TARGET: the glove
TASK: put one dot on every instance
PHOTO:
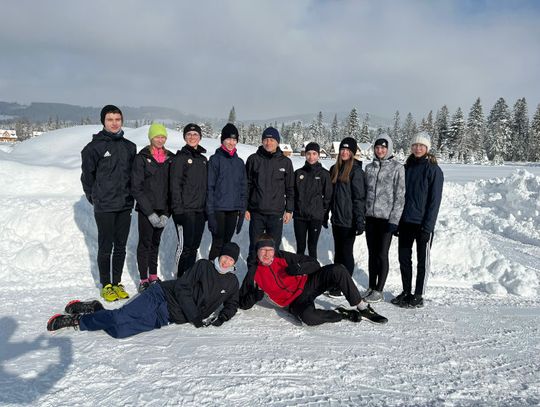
(212, 223)
(179, 218)
(241, 216)
(154, 220)
(424, 237)
(392, 228)
(359, 230)
(218, 321)
(325, 221)
(198, 322)
(163, 220)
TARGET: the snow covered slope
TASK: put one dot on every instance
(475, 343)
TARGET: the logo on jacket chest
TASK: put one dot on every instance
(107, 154)
(223, 292)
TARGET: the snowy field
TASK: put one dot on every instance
(476, 342)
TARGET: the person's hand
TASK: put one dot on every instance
(424, 237)
(359, 230)
(248, 216)
(218, 321)
(198, 322)
(212, 223)
(287, 217)
(163, 220)
(392, 228)
(154, 220)
(240, 222)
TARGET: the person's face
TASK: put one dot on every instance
(345, 154)
(226, 262)
(158, 141)
(192, 138)
(312, 157)
(113, 122)
(230, 143)
(270, 144)
(419, 150)
(266, 255)
(380, 152)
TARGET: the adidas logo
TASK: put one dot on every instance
(107, 154)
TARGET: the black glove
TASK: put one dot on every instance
(359, 230)
(325, 221)
(241, 216)
(198, 322)
(392, 228)
(179, 218)
(218, 321)
(294, 269)
(212, 223)
(424, 237)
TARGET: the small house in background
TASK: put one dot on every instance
(8, 136)
(287, 149)
(36, 133)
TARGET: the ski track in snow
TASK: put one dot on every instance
(475, 343)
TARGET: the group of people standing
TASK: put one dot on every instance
(386, 200)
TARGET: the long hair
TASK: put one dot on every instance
(347, 168)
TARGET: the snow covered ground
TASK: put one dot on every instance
(476, 342)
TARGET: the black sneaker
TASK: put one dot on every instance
(83, 307)
(370, 314)
(334, 293)
(401, 299)
(416, 301)
(352, 315)
(60, 321)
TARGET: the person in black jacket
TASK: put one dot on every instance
(193, 298)
(347, 205)
(226, 199)
(150, 187)
(106, 181)
(312, 195)
(270, 180)
(188, 183)
(424, 184)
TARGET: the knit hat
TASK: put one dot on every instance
(192, 127)
(230, 249)
(385, 141)
(271, 132)
(313, 147)
(109, 109)
(265, 243)
(155, 130)
(381, 142)
(350, 143)
(229, 131)
(422, 138)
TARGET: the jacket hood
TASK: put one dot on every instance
(390, 144)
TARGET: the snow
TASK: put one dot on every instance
(475, 343)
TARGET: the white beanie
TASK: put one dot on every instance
(422, 138)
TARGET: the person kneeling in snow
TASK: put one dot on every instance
(293, 281)
(192, 298)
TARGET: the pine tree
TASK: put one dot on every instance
(475, 133)
(520, 131)
(352, 126)
(335, 136)
(499, 132)
(456, 144)
(409, 130)
(534, 137)
(396, 133)
(364, 131)
(232, 116)
(440, 130)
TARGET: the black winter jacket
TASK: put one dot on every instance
(199, 292)
(150, 182)
(106, 172)
(312, 192)
(188, 180)
(270, 179)
(227, 184)
(298, 264)
(349, 200)
(423, 185)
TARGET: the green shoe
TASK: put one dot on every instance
(120, 292)
(108, 293)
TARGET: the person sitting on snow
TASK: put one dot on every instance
(192, 298)
(293, 281)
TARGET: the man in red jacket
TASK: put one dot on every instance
(293, 281)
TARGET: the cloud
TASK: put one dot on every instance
(271, 58)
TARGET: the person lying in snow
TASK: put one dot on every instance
(293, 281)
(192, 298)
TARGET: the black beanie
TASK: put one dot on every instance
(192, 127)
(271, 132)
(232, 250)
(350, 143)
(381, 142)
(313, 147)
(229, 131)
(109, 109)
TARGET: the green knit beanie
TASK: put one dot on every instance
(156, 129)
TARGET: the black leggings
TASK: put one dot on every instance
(378, 242)
(311, 229)
(343, 246)
(148, 247)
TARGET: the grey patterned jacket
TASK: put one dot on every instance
(385, 186)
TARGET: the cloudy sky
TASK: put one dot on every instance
(271, 58)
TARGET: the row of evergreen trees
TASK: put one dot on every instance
(505, 135)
